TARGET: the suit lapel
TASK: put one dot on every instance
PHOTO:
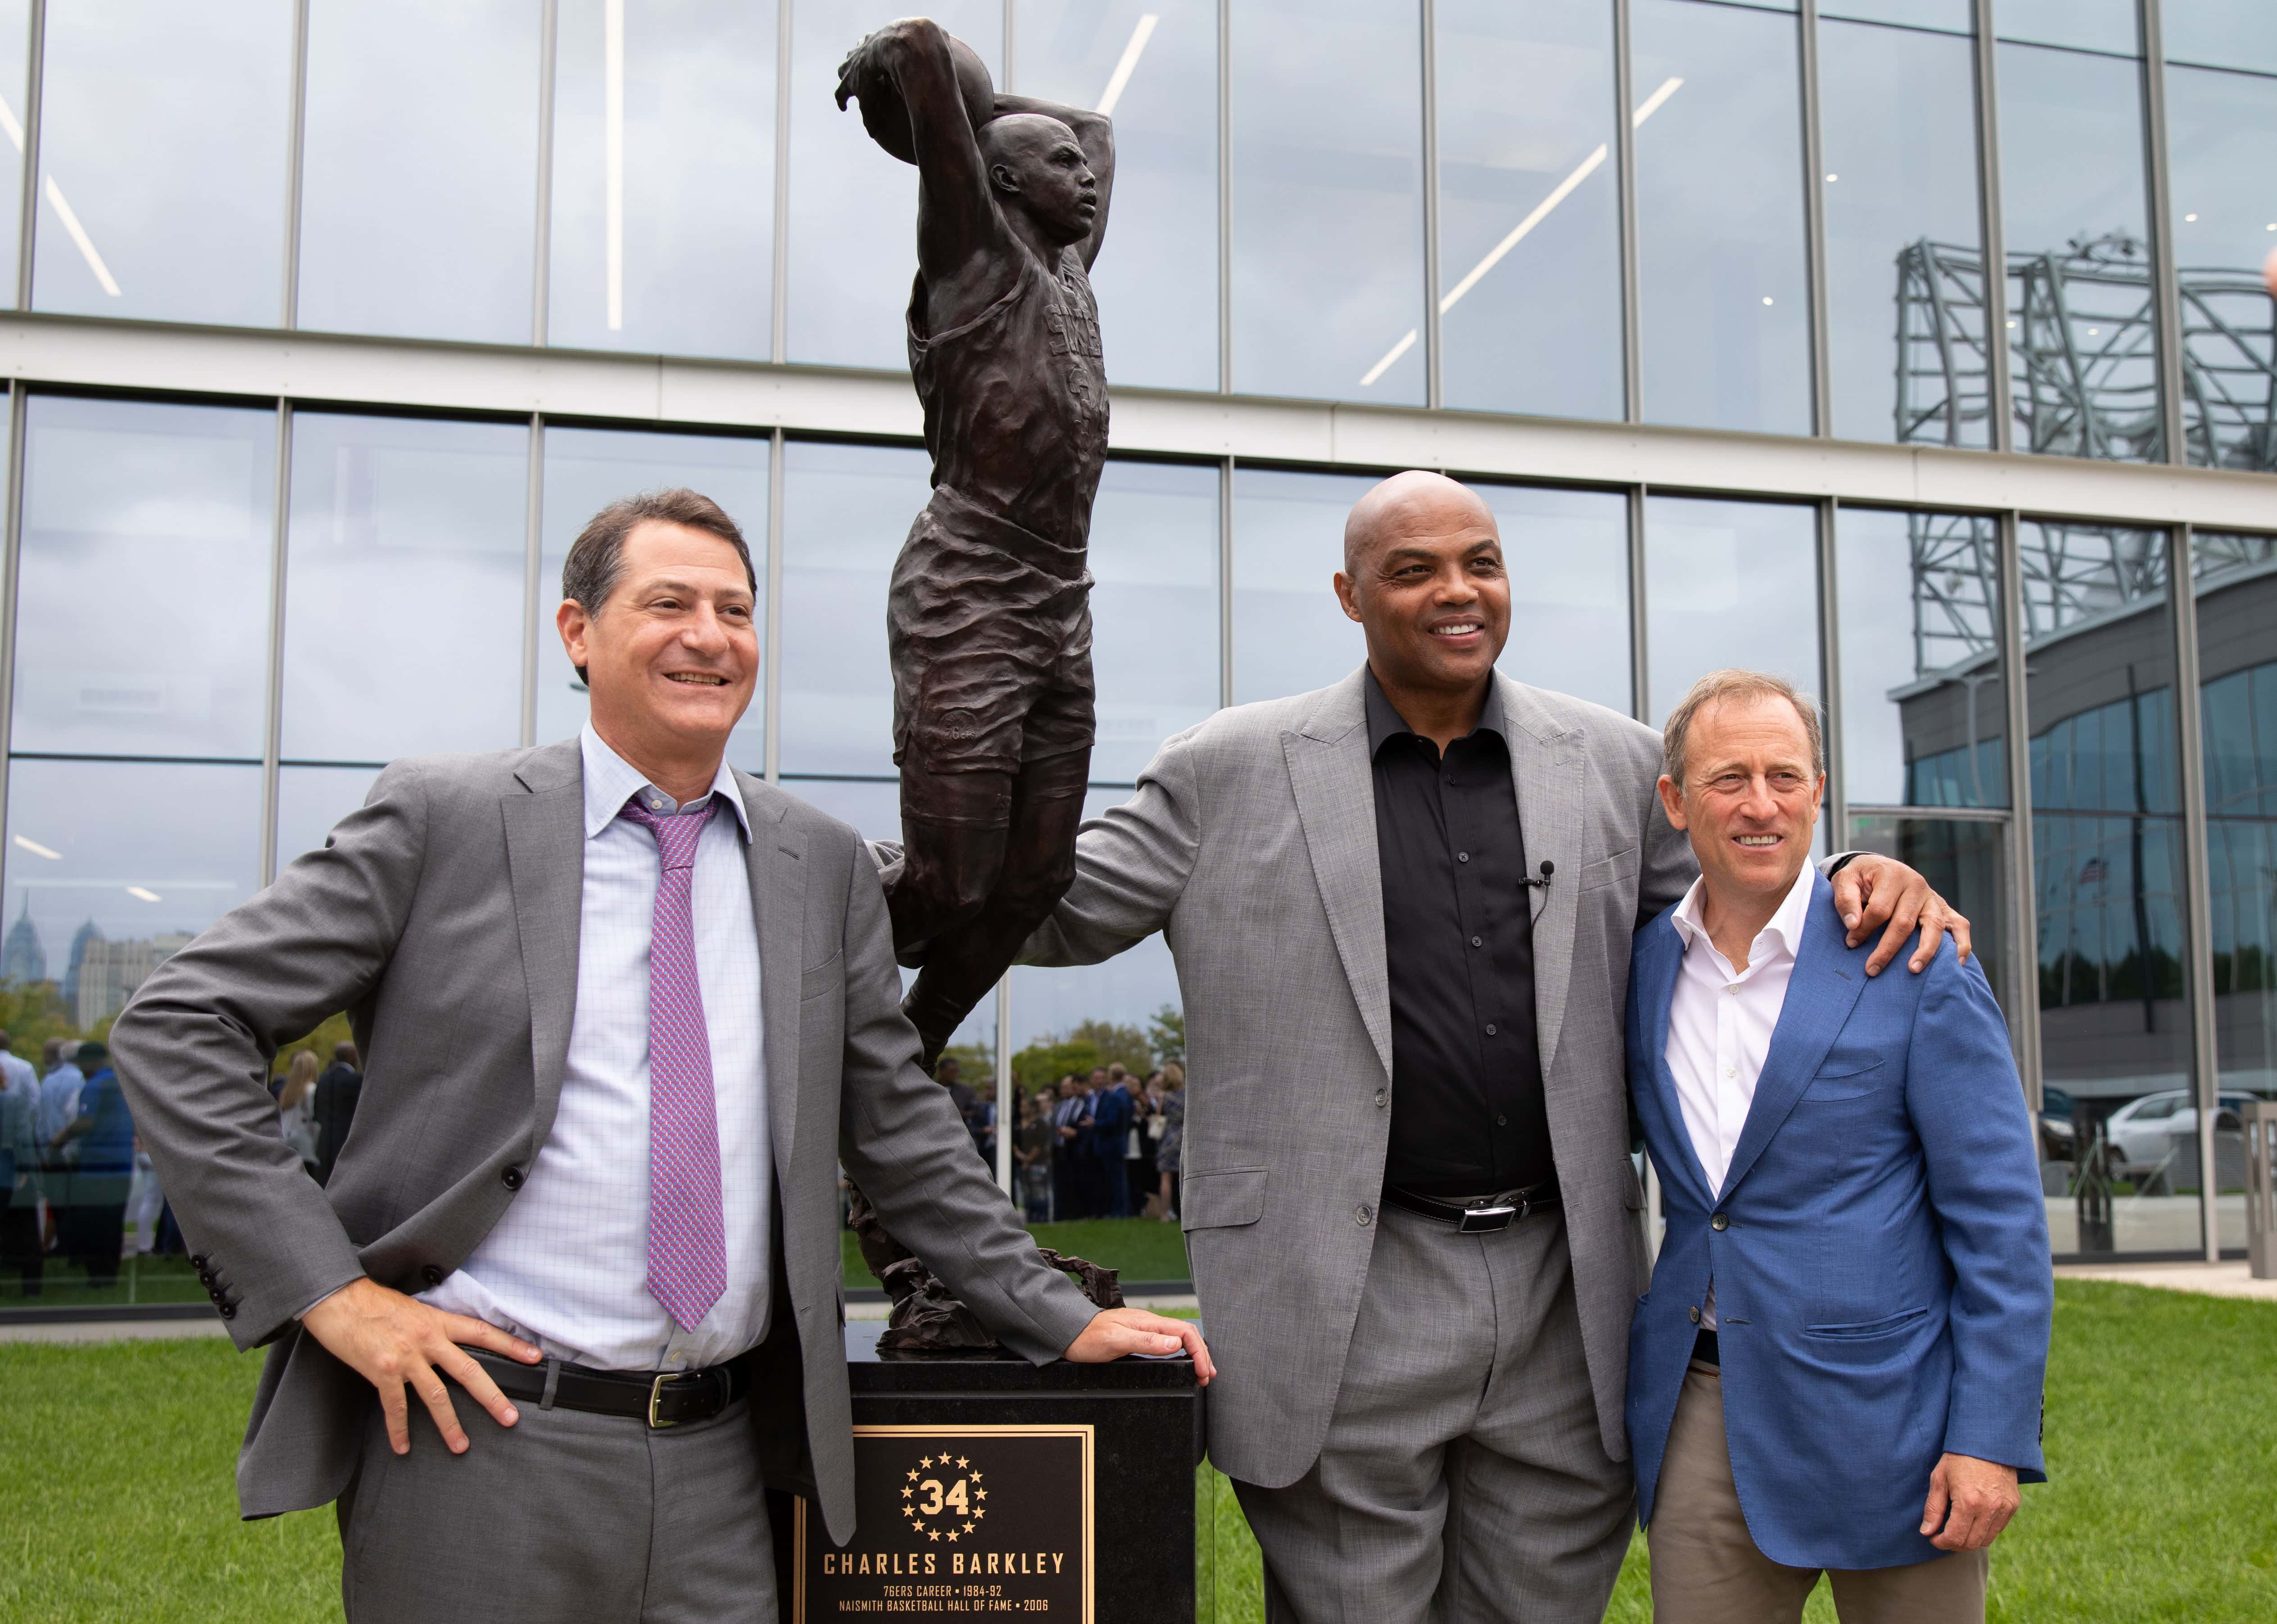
(545, 862)
(1657, 968)
(1820, 994)
(1335, 786)
(1549, 771)
(777, 858)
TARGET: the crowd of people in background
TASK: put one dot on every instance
(79, 1188)
(1104, 1145)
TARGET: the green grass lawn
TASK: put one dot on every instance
(1142, 1248)
(117, 1503)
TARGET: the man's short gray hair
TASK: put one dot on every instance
(1733, 683)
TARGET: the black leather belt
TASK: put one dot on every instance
(1484, 1217)
(661, 1397)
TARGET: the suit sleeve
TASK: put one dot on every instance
(903, 1142)
(1968, 1107)
(193, 1045)
(1131, 867)
(1667, 868)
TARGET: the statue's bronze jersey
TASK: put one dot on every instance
(1016, 400)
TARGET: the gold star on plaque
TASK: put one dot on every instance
(978, 1494)
(908, 1511)
(952, 1536)
(967, 1528)
(976, 1477)
(924, 1460)
(979, 1511)
(913, 1478)
(936, 1535)
(961, 1462)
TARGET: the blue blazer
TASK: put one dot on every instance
(1110, 1120)
(1883, 1288)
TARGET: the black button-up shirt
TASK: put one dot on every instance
(1467, 1114)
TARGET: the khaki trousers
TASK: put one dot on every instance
(1706, 1568)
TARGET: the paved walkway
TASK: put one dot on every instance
(2212, 1279)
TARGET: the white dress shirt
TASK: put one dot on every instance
(1719, 1028)
(566, 1268)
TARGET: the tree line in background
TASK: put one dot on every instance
(31, 1012)
(1086, 1045)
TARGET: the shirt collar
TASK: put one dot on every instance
(1786, 924)
(1384, 721)
(611, 781)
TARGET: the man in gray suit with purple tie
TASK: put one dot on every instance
(625, 1011)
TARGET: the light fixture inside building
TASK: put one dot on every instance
(1767, 298)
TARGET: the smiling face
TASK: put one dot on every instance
(1749, 802)
(1423, 575)
(674, 652)
(1036, 164)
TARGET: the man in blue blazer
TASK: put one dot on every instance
(1838, 1365)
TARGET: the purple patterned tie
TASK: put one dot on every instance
(687, 1250)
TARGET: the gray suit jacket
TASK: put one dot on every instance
(1251, 843)
(444, 917)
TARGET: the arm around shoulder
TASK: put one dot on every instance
(1132, 865)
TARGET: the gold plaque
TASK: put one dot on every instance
(955, 1523)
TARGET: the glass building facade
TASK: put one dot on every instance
(1916, 349)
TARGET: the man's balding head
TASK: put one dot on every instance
(1036, 165)
(1423, 575)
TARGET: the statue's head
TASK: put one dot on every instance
(1036, 165)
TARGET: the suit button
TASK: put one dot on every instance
(1695, 1313)
(431, 1275)
(511, 1178)
(1360, 1215)
(216, 1293)
(198, 1262)
(1719, 1222)
(229, 1310)
(1380, 1096)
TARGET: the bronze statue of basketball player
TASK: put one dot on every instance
(988, 616)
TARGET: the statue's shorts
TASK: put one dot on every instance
(988, 626)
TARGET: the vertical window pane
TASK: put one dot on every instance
(1925, 704)
(2082, 348)
(853, 208)
(2236, 578)
(1157, 274)
(1568, 556)
(419, 179)
(1290, 634)
(2221, 146)
(847, 510)
(118, 864)
(1153, 609)
(1529, 220)
(1721, 262)
(1327, 199)
(664, 178)
(403, 600)
(143, 612)
(162, 133)
(1967, 861)
(2108, 861)
(2221, 34)
(311, 800)
(15, 74)
(1728, 584)
(588, 468)
(1898, 134)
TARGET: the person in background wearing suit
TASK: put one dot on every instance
(1111, 1116)
(1401, 909)
(1840, 1364)
(97, 1146)
(337, 1093)
(21, 1185)
(1067, 1151)
(626, 1009)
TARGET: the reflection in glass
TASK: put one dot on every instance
(1924, 706)
(115, 865)
(1728, 584)
(2237, 580)
(1153, 609)
(1157, 276)
(1290, 634)
(846, 511)
(1720, 257)
(1327, 199)
(1529, 227)
(1898, 122)
(664, 171)
(588, 468)
(853, 208)
(143, 591)
(2084, 25)
(2107, 862)
(872, 805)
(311, 800)
(2082, 346)
(1967, 861)
(2221, 33)
(163, 132)
(1953, 16)
(403, 597)
(2222, 132)
(1568, 556)
(419, 174)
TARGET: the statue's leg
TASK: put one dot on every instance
(955, 827)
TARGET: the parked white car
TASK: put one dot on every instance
(2142, 1131)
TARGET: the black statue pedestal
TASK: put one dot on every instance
(986, 1485)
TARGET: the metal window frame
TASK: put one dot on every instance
(2197, 891)
(771, 714)
(1814, 226)
(12, 548)
(295, 141)
(533, 544)
(541, 274)
(2023, 900)
(2158, 202)
(1632, 291)
(1224, 196)
(272, 734)
(1999, 402)
(1830, 680)
(27, 219)
(1434, 361)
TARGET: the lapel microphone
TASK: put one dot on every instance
(1548, 869)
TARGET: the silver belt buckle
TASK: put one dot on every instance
(1486, 1220)
(655, 1393)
